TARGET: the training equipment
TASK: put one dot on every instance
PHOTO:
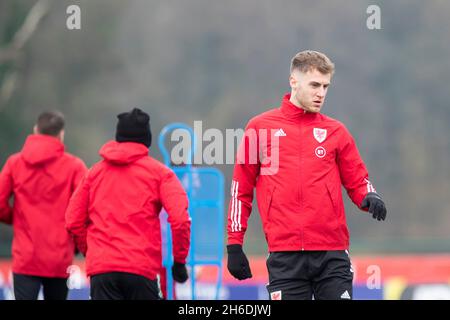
(205, 190)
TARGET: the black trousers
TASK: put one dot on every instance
(124, 286)
(302, 275)
(27, 287)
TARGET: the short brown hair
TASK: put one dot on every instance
(309, 60)
(50, 123)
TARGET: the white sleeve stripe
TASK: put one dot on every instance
(234, 208)
(239, 216)
(232, 205)
(370, 187)
(236, 202)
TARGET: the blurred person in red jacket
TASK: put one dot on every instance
(297, 159)
(114, 216)
(39, 182)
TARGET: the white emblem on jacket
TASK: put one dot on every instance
(280, 133)
(320, 134)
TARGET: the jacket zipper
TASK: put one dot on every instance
(301, 232)
(300, 180)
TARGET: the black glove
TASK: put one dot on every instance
(179, 272)
(238, 263)
(376, 206)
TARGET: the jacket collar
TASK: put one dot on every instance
(291, 111)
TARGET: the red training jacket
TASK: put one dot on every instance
(304, 158)
(114, 213)
(41, 179)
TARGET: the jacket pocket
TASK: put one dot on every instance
(333, 198)
(269, 202)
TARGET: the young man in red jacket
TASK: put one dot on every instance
(114, 216)
(40, 179)
(298, 158)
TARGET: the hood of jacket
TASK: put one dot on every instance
(39, 148)
(123, 153)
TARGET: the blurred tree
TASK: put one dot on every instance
(225, 62)
(11, 53)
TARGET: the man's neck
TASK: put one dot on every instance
(295, 101)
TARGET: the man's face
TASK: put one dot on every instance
(309, 89)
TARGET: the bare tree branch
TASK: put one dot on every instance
(37, 12)
(9, 84)
(31, 23)
(13, 52)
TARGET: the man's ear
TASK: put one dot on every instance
(61, 135)
(292, 81)
(35, 129)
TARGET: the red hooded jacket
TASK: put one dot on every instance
(41, 178)
(304, 158)
(114, 213)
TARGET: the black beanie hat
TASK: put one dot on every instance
(134, 126)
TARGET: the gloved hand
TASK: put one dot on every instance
(238, 264)
(375, 204)
(179, 272)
